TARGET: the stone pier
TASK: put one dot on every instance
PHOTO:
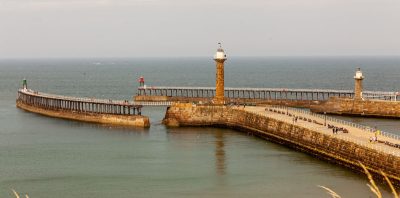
(355, 107)
(309, 134)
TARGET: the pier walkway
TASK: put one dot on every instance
(358, 134)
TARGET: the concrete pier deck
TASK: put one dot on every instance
(357, 134)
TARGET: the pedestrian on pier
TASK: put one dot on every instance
(335, 130)
(377, 132)
(371, 139)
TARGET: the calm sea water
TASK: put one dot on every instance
(48, 157)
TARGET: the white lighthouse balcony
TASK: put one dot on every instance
(220, 55)
(359, 74)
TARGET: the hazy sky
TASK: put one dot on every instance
(137, 28)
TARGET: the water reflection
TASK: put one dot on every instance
(220, 165)
(216, 140)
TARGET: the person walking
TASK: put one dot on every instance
(377, 132)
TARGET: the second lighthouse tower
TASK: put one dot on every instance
(219, 58)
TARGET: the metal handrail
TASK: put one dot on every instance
(78, 99)
(386, 93)
(344, 122)
(380, 149)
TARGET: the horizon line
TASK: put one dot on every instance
(211, 57)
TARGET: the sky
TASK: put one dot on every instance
(184, 28)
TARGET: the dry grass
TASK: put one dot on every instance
(372, 185)
(17, 194)
(394, 192)
(331, 192)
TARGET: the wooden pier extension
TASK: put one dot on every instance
(82, 109)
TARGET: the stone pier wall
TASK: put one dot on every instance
(151, 98)
(126, 120)
(348, 106)
(290, 103)
(320, 145)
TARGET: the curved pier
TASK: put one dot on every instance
(82, 109)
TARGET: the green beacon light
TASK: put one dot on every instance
(24, 84)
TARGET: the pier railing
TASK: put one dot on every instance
(261, 93)
(77, 104)
(160, 103)
(367, 144)
(343, 122)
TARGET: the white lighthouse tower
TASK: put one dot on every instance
(358, 86)
(219, 58)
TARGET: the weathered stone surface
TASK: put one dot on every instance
(219, 86)
(150, 98)
(377, 108)
(320, 145)
(358, 88)
(127, 120)
(290, 103)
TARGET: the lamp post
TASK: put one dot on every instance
(325, 118)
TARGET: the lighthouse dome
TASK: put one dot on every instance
(359, 74)
(220, 54)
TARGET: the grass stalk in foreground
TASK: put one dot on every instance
(17, 195)
(331, 192)
(372, 185)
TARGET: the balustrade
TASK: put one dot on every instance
(81, 105)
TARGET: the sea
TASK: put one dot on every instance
(49, 157)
